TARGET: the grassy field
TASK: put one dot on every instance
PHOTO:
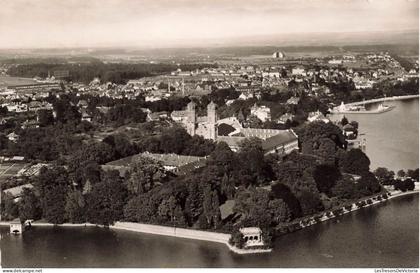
(7, 80)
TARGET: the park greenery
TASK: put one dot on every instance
(268, 191)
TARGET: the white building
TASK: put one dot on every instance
(263, 113)
(16, 227)
(252, 236)
(317, 116)
(298, 71)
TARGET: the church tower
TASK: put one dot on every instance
(212, 120)
(192, 118)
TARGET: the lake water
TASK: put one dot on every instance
(392, 137)
(385, 235)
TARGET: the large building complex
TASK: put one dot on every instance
(273, 141)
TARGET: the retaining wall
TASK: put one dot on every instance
(174, 232)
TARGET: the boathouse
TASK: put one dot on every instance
(16, 227)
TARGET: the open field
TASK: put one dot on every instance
(7, 80)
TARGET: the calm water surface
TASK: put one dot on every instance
(382, 236)
(392, 137)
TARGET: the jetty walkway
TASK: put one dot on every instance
(381, 100)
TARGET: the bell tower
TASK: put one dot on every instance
(212, 120)
(192, 118)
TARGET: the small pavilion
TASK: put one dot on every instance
(252, 236)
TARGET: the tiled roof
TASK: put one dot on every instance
(231, 141)
(282, 138)
(17, 191)
(166, 159)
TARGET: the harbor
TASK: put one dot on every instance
(360, 106)
(360, 109)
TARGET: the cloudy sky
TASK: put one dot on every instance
(69, 23)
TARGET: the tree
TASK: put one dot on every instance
(401, 173)
(344, 189)
(121, 145)
(143, 175)
(194, 200)
(227, 187)
(281, 191)
(404, 185)
(414, 174)
(75, 207)
(105, 203)
(310, 135)
(211, 211)
(326, 149)
(9, 209)
(251, 159)
(45, 117)
(174, 140)
(279, 211)
(258, 209)
(309, 202)
(368, 184)
(52, 185)
(384, 176)
(354, 124)
(326, 177)
(3, 110)
(409, 183)
(170, 211)
(344, 121)
(29, 206)
(355, 162)
(237, 239)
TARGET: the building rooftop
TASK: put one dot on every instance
(283, 137)
(17, 191)
(172, 160)
(260, 133)
(250, 230)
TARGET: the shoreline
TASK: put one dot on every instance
(366, 112)
(405, 97)
(329, 215)
(216, 237)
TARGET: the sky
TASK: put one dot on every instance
(162, 23)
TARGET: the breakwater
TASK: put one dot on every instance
(382, 99)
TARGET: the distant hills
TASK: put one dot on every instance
(400, 42)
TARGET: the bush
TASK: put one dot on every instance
(385, 196)
(369, 202)
(237, 239)
(317, 218)
(294, 227)
(267, 237)
(348, 207)
(361, 204)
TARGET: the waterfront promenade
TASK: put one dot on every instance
(216, 237)
(382, 99)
